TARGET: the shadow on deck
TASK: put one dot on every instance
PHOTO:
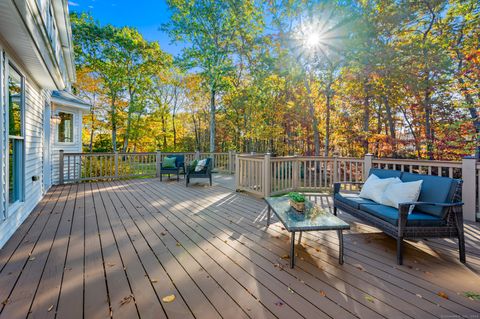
(117, 249)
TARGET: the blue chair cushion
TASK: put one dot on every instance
(390, 214)
(385, 173)
(435, 189)
(353, 200)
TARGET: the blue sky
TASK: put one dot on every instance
(145, 15)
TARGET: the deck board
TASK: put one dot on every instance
(115, 249)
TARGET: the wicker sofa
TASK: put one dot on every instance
(438, 212)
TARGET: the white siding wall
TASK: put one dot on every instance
(35, 99)
(75, 147)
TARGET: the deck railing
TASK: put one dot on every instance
(266, 175)
(78, 167)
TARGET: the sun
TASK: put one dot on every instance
(313, 40)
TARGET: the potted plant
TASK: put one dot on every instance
(297, 201)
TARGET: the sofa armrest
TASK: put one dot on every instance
(432, 204)
(338, 185)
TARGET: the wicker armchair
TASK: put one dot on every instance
(177, 170)
(206, 172)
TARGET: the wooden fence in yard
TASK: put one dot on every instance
(265, 175)
(79, 167)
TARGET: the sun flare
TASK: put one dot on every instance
(312, 40)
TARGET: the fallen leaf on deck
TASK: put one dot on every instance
(290, 290)
(322, 293)
(154, 280)
(178, 244)
(317, 250)
(471, 295)
(163, 234)
(31, 258)
(110, 264)
(126, 300)
(369, 298)
(419, 296)
(359, 267)
(279, 303)
(168, 298)
(285, 257)
(50, 308)
(5, 302)
(442, 294)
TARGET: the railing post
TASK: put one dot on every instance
(61, 167)
(266, 175)
(116, 164)
(367, 165)
(237, 172)
(231, 159)
(212, 156)
(295, 172)
(197, 155)
(335, 169)
(469, 189)
(158, 160)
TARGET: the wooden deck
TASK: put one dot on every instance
(115, 249)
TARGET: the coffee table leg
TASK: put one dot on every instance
(268, 215)
(292, 250)
(340, 250)
(300, 238)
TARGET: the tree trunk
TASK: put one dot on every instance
(428, 124)
(114, 125)
(412, 131)
(174, 133)
(164, 131)
(197, 134)
(212, 120)
(311, 108)
(474, 115)
(366, 120)
(127, 132)
(327, 124)
(391, 123)
(90, 146)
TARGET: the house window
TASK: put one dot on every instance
(65, 128)
(15, 135)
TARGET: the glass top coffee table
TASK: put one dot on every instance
(314, 218)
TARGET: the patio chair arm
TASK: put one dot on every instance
(338, 185)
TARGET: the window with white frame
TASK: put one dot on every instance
(65, 127)
(16, 98)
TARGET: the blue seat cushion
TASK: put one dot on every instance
(435, 189)
(353, 200)
(390, 214)
(385, 173)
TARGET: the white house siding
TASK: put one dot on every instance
(75, 147)
(35, 99)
